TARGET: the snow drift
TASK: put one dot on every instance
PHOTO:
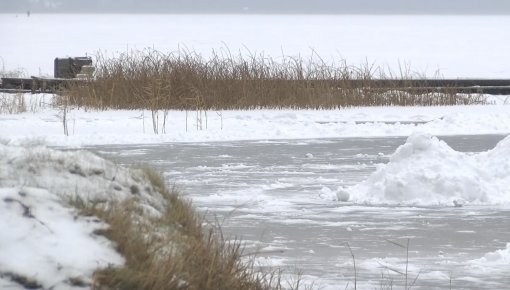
(498, 259)
(44, 242)
(427, 172)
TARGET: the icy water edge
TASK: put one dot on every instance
(275, 196)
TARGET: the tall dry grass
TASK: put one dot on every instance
(186, 80)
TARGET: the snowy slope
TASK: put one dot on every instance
(44, 242)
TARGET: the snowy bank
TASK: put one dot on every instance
(427, 172)
(45, 243)
(89, 127)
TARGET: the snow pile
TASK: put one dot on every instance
(427, 172)
(500, 257)
(497, 261)
(44, 243)
(497, 258)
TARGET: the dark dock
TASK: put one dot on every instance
(36, 85)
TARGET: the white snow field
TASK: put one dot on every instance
(453, 46)
(45, 243)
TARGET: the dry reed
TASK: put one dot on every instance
(185, 80)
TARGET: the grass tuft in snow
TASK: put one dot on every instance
(170, 251)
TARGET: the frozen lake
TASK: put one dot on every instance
(276, 196)
(449, 46)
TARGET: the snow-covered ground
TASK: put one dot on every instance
(454, 46)
(42, 123)
(44, 242)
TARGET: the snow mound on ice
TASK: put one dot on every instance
(45, 241)
(496, 258)
(427, 172)
(492, 262)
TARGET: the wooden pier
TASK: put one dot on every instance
(36, 84)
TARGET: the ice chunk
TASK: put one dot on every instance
(327, 194)
(342, 194)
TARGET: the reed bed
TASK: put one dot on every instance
(185, 80)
